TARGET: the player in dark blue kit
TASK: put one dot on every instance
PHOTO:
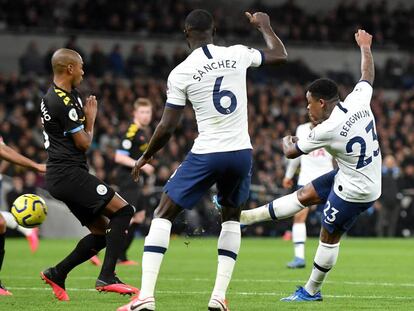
(68, 132)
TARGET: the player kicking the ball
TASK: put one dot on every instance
(312, 165)
(213, 79)
(347, 131)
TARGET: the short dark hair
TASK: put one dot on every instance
(324, 89)
(200, 20)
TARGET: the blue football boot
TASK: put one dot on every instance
(302, 295)
(216, 203)
(218, 207)
(296, 263)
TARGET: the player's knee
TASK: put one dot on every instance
(167, 208)
(307, 195)
(126, 211)
(328, 237)
(230, 214)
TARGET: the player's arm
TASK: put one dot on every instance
(291, 168)
(276, 51)
(13, 156)
(290, 147)
(319, 137)
(364, 41)
(83, 138)
(163, 132)
(126, 160)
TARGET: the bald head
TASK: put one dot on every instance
(62, 58)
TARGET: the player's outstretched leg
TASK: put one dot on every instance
(120, 216)
(32, 235)
(280, 208)
(299, 239)
(289, 205)
(3, 290)
(85, 249)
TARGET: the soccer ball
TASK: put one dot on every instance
(29, 210)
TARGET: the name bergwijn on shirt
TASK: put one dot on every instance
(221, 64)
(352, 119)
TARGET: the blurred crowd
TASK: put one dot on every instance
(276, 106)
(165, 17)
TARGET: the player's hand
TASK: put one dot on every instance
(91, 108)
(148, 169)
(259, 20)
(363, 38)
(288, 140)
(287, 183)
(137, 168)
(41, 168)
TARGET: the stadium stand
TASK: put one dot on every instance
(277, 104)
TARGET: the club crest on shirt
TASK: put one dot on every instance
(73, 115)
(101, 189)
(311, 135)
(126, 144)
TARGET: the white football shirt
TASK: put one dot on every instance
(213, 79)
(312, 165)
(349, 135)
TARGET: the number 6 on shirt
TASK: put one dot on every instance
(218, 95)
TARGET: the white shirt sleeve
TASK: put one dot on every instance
(252, 57)
(319, 137)
(361, 94)
(292, 166)
(176, 96)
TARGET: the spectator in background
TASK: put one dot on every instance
(97, 61)
(137, 64)
(72, 44)
(16, 191)
(30, 182)
(31, 61)
(46, 59)
(388, 206)
(406, 183)
(160, 64)
(179, 55)
(116, 61)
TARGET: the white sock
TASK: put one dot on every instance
(281, 208)
(12, 223)
(299, 239)
(325, 259)
(228, 247)
(155, 246)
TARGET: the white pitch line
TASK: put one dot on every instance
(384, 284)
(275, 294)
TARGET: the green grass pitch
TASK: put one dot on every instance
(371, 274)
